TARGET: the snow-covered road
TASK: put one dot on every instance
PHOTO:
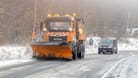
(93, 66)
(17, 62)
(125, 68)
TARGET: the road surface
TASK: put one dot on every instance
(93, 66)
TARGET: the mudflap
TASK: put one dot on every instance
(52, 51)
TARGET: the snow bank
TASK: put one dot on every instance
(128, 44)
(15, 52)
(123, 44)
(92, 48)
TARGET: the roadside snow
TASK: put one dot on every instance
(11, 55)
(123, 44)
(92, 48)
(133, 70)
(15, 52)
(128, 44)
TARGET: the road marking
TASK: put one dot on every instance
(113, 67)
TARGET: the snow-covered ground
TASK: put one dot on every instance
(123, 44)
(15, 52)
(126, 68)
(11, 55)
(128, 44)
(92, 48)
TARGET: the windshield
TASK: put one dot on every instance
(106, 42)
(59, 26)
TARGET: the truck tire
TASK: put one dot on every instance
(112, 52)
(75, 54)
(99, 52)
(83, 54)
(115, 52)
(82, 51)
(79, 51)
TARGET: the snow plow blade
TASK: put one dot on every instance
(52, 50)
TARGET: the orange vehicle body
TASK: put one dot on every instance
(53, 51)
(55, 44)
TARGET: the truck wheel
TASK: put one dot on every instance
(99, 52)
(103, 52)
(79, 52)
(75, 56)
(79, 55)
(112, 52)
(82, 51)
(83, 54)
(115, 52)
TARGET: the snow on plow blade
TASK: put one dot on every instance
(52, 50)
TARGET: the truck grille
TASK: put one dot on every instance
(57, 38)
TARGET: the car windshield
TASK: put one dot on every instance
(59, 26)
(106, 42)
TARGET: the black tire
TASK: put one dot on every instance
(79, 52)
(103, 52)
(82, 51)
(99, 52)
(75, 54)
(83, 55)
(79, 55)
(112, 52)
(115, 52)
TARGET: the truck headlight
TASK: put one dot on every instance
(70, 29)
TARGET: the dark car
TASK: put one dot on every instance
(108, 46)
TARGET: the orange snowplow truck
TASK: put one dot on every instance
(59, 37)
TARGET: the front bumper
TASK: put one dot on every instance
(105, 49)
